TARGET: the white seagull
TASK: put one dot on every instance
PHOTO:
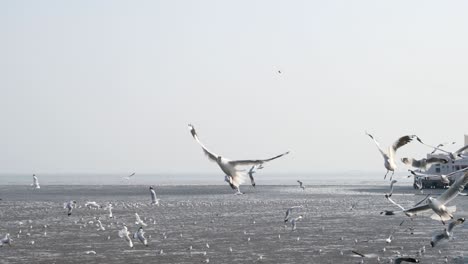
(123, 233)
(69, 205)
(35, 183)
(422, 163)
(109, 207)
(129, 176)
(138, 220)
(233, 176)
(154, 199)
(438, 204)
(289, 211)
(389, 157)
(447, 233)
(301, 185)
(140, 235)
(99, 225)
(6, 240)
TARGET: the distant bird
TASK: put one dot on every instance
(6, 240)
(129, 176)
(294, 221)
(99, 225)
(138, 220)
(441, 145)
(123, 233)
(140, 235)
(279, 72)
(154, 199)
(452, 155)
(69, 205)
(391, 189)
(301, 185)
(92, 205)
(251, 172)
(90, 252)
(438, 204)
(289, 211)
(447, 233)
(35, 183)
(422, 163)
(109, 207)
(233, 176)
(405, 259)
(389, 157)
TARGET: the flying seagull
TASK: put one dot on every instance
(129, 176)
(35, 183)
(441, 145)
(422, 163)
(154, 199)
(140, 235)
(138, 220)
(123, 233)
(447, 233)
(69, 205)
(6, 240)
(452, 155)
(293, 222)
(301, 185)
(438, 204)
(389, 157)
(289, 211)
(234, 176)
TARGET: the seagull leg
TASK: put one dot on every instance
(391, 176)
(386, 175)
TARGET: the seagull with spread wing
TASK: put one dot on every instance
(234, 176)
(447, 233)
(438, 204)
(389, 157)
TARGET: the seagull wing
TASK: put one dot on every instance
(359, 254)
(211, 155)
(400, 143)
(420, 202)
(378, 145)
(418, 209)
(254, 162)
(393, 202)
(436, 160)
(460, 150)
(452, 192)
(435, 148)
(452, 224)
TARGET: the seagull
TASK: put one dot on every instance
(438, 204)
(123, 233)
(154, 199)
(6, 240)
(301, 185)
(422, 163)
(35, 183)
(389, 157)
(405, 259)
(109, 207)
(441, 145)
(233, 176)
(447, 233)
(289, 211)
(251, 172)
(99, 224)
(391, 189)
(140, 234)
(452, 155)
(129, 176)
(69, 205)
(93, 205)
(293, 222)
(138, 220)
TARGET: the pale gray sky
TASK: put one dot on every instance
(110, 86)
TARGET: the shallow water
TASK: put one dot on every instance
(197, 215)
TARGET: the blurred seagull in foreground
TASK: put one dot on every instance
(389, 157)
(301, 185)
(234, 176)
(123, 233)
(35, 183)
(447, 233)
(140, 235)
(422, 163)
(138, 220)
(69, 205)
(154, 199)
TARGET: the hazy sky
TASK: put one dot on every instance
(110, 86)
